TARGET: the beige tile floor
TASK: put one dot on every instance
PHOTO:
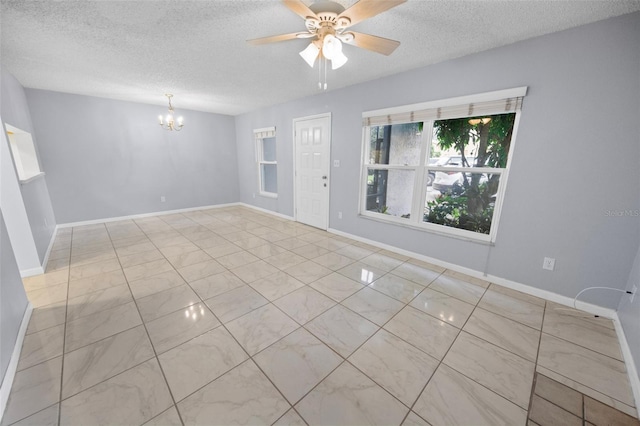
(230, 316)
(553, 403)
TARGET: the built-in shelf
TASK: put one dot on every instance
(32, 178)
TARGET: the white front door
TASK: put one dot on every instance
(312, 155)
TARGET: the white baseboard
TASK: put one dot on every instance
(553, 297)
(45, 261)
(166, 212)
(24, 273)
(629, 362)
(143, 215)
(10, 375)
(533, 291)
(260, 209)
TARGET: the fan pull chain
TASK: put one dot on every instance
(322, 63)
(325, 74)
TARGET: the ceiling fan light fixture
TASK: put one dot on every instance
(339, 59)
(310, 54)
(331, 46)
(326, 22)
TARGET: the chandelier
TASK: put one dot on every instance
(168, 122)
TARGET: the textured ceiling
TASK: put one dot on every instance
(139, 50)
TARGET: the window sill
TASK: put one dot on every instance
(455, 233)
(32, 178)
(269, 194)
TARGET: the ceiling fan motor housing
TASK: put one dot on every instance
(328, 14)
(327, 18)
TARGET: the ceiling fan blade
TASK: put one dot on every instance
(374, 43)
(365, 9)
(276, 38)
(300, 9)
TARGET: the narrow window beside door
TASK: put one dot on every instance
(267, 161)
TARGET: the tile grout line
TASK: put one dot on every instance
(380, 327)
(584, 347)
(587, 387)
(64, 336)
(120, 332)
(249, 357)
(157, 359)
(535, 366)
(340, 303)
(233, 337)
(441, 361)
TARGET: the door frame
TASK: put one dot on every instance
(326, 115)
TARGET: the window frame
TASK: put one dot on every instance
(416, 220)
(259, 136)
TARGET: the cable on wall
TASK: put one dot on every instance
(575, 299)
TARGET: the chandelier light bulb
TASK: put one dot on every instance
(170, 123)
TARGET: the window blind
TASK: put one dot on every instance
(267, 132)
(448, 109)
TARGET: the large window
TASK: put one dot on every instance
(267, 162)
(441, 166)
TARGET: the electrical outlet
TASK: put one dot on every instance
(336, 163)
(634, 290)
(254, 195)
(549, 263)
(339, 215)
(162, 199)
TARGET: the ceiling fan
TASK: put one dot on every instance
(327, 25)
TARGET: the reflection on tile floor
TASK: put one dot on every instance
(231, 316)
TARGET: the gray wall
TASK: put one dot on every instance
(13, 300)
(35, 194)
(106, 158)
(247, 167)
(575, 158)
